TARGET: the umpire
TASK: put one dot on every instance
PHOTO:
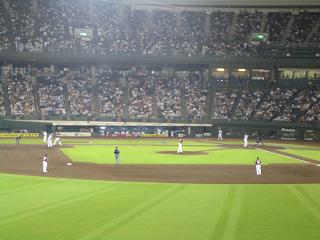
(117, 156)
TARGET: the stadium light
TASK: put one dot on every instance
(220, 69)
(242, 70)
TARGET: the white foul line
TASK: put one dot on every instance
(288, 156)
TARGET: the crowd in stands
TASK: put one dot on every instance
(143, 93)
(109, 93)
(4, 39)
(80, 93)
(277, 24)
(2, 108)
(20, 91)
(196, 96)
(288, 105)
(124, 30)
(302, 26)
(275, 105)
(224, 101)
(247, 104)
(140, 94)
(168, 94)
(51, 96)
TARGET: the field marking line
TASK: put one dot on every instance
(305, 202)
(287, 156)
(59, 203)
(103, 230)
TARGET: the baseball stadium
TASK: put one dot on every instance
(159, 120)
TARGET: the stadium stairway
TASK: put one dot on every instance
(315, 28)
(262, 100)
(5, 95)
(264, 22)
(288, 29)
(236, 103)
(232, 26)
(66, 98)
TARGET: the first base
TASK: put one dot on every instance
(69, 164)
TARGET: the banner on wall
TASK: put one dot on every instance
(288, 134)
(75, 134)
(23, 135)
(151, 135)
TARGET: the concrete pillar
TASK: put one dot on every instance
(6, 5)
(52, 68)
(93, 75)
(35, 6)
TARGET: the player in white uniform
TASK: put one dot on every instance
(45, 135)
(220, 135)
(45, 164)
(57, 140)
(258, 166)
(49, 141)
(245, 140)
(180, 147)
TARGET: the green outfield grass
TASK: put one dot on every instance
(44, 208)
(312, 154)
(150, 155)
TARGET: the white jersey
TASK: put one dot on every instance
(245, 138)
(50, 137)
(220, 132)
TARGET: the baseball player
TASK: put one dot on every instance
(18, 139)
(45, 163)
(245, 140)
(180, 147)
(220, 134)
(49, 140)
(45, 135)
(259, 141)
(258, 166)
(117, 155)
(57, 139)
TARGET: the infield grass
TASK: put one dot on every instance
(151, 155)
(38, 208)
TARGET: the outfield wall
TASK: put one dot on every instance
(269, 130)
(231, 129)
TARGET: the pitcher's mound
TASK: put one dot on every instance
(184, 152)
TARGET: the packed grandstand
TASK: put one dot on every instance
(139, 91)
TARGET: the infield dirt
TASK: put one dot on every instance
(27, 160)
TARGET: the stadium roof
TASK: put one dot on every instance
(271, 3)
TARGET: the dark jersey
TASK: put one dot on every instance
(116, 151)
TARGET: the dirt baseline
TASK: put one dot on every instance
(27, 160)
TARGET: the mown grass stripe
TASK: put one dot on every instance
(58, 203)
(309, 205)
(222, 219)
(231, 225)
(305, 193)
(219, 212)
(102, 231)
(33, 186)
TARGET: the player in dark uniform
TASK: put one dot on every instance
(117, 155)
(259, 141)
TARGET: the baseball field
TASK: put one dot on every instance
(210, 191)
